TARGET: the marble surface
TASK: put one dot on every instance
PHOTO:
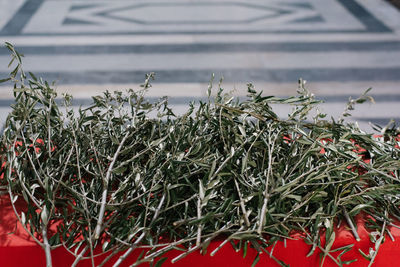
(342, 47)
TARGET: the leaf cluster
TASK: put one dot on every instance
(124, 173)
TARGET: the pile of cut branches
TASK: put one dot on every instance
(124, 173)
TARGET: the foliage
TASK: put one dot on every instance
(124, 173)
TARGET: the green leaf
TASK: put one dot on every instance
(242, 131)
(119, 170)
(212, 170)
(358, 208)
(20, 90)
(330, 242)
(348, 262)
(256, 260)
(201, 190)
(160, 262)
(245, 246)
(312, 250)
(33, 76)
(4, 80)
(54, 240)
(365, 256)
(23, 218)
(295, 197)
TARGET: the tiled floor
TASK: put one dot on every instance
(341, 47)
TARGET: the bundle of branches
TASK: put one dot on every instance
(124, 173)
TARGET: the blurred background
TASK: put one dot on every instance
(341, 47)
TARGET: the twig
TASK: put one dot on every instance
(199, 227)
(350, 223)
(12, 196)
(112, 254)
(46, 245)
(79, 257)
(129, 251)
(87, 214)
(271, 145)
(185, 254)
(242, 206)
(225, 241)
(378, 244)
(135, 244)
(105, 190)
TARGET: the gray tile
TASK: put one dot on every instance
(117, 42)
(38, 17)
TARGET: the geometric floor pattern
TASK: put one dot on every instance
(341, 47)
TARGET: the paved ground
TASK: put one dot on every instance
(342, 47)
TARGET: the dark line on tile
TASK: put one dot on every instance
(71, 21)
(312, 19)
(216, 32)
(230, 75)
(208, 47)
(82, 6)
(303, 5)
(379, 98)
(364, 16)
(21, 18)
(379, 121)
(109, 13)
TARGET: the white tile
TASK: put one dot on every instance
(8, 9)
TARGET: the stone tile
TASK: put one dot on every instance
(341, 46)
